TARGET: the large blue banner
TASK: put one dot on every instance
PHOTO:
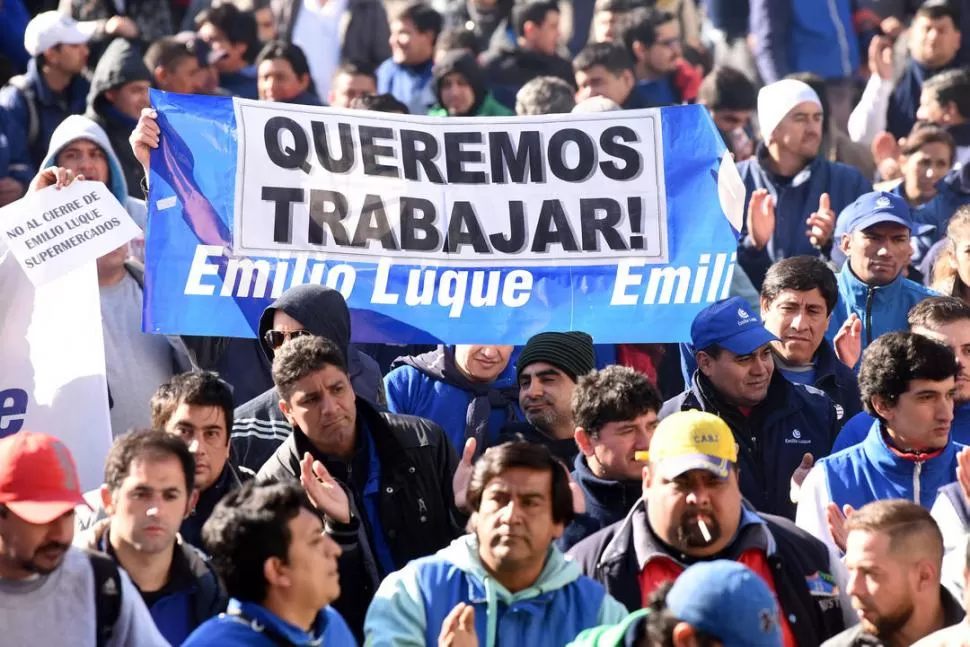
(439, 230)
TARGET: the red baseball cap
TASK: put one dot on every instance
(38, 479)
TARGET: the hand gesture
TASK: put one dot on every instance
(145, 137)
(324, 491)
(761, 217)
(836, 521)
(881, 58)
(798, 476)
(122, 26)
(458, 629)
(53, 176)
(963, 471)
(848, 341)
(463, 474)
(821, 223)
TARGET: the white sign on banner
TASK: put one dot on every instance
(53, 231)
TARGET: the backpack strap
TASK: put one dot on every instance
(107, 595)
(30, 98)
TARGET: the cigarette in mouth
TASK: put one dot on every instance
(704, 530)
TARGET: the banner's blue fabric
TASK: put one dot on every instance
(191, 202)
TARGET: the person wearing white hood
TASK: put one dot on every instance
(136, 362)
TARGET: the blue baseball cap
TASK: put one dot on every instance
(731, 324)
(873, 208)
(729, 601)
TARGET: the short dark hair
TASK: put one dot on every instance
(924, 133)
(936, 312)
(302, 356)
(293, 54)
(613, 394)
(534, 11)
(198, 388)
(151, 445)
(457, 38)
(612, 56)
(238, 26)
(935, 9)
(895, 359)
(900, 520)
(545, 95)
(379, 103)
(532, 456)
(801, 274)
(727, 88)
(247, 527)
(167, 52)
(423, 17)
(640, 26)
(951, 86)
(354, 68)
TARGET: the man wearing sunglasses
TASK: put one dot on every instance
(303, 310)
(664, 78)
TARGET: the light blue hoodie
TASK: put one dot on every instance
(411, 604)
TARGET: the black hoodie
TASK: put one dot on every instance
(259, 426)
(461, 62)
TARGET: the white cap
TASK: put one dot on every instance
(776, 100)
(53, 28)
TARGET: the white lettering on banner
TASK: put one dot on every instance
(667, 285)
(455, 191)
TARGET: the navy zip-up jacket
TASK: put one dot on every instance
(607, 502)
(791, 421)
(837, 380)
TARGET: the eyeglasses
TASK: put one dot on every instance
(275, 338)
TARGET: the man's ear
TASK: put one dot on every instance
(192, 502)
(881, 406)
(845, 243)
(765, 307)
(583, 441)
(704, 362)
(639, 51)
(274, 570)
(106, 501)
(286, 410)
(160, 74)
(683, 635)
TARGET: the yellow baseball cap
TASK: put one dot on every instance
(692, 440)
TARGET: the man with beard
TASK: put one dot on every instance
(692, 511)
(548, 369)
(147, 492)
(894, 554)
(50, 590)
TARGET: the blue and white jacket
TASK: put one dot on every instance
(857, 428)
(249, 624)
(412, 603)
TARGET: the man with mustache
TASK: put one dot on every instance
(49, 588)
(692, 511)
(908, 383)
(894, 555)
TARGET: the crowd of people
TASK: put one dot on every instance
(796, 474)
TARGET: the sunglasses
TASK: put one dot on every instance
(275, 338)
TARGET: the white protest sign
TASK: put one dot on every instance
(53, 231)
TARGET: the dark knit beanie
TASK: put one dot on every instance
(570, 352)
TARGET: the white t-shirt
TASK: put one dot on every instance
(317, 32)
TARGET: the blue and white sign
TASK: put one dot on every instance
(439, 230)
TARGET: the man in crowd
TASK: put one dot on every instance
(794, 193)
(652, 38)
(608, 16)
(907, 383)
(284, 75)
(174, 66)
(547, 371)
(945, 101)
(615, 412)
(231, 34)
(509, 67)
(407, 73)
(545, 95)
(279, 567)
(521, 501)
(692, 510)
(731, 99)
(53, 87)
(797, 300)
(893, 555)
(397, 470)
(197, 407)
(875, 233)
(51, 590)
(349, 82)
(606, 70)
(468, 390)
(119, 91)
(148, 490)
(309, 309)
(776, 423)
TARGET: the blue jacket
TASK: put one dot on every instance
(857, 428)
(881, 309)
(230, 630)
(792, 420)
(411, 604)
(51, 110)
(243, 83)
(409, 85)
(871, 471)
(804, 36)
(13, 163)
(794, 203)
(606, 503)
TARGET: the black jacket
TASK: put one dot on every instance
(607, 502)
(230, 479)
(416, 505)
(854, 637)
(508, 68)
(611, 558)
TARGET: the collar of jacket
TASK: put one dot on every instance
(228, 480)
(763, 162)
(188, 564)
(259, 617)
(778, 399)
(605, 493)
(890, 463)
(827, 363)
(857, 292)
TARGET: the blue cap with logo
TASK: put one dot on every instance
(730, 324)
(728, 601)
(872, 209)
